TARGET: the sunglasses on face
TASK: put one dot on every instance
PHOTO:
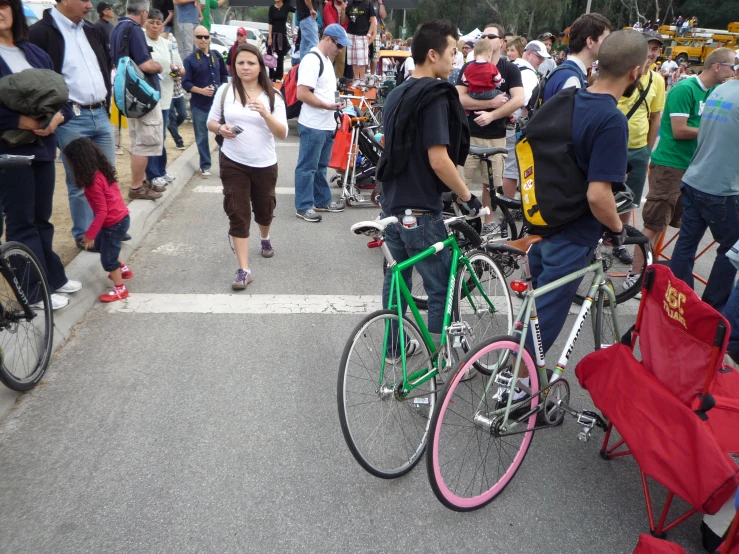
(490, 36)
(336, 43)
(202, 37)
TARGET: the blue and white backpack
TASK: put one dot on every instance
(134, 96)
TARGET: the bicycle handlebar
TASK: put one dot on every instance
(634, 236)
(11, 160)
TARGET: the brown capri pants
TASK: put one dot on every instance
(247, 189)
(663, 206)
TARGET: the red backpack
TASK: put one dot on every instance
(290, 89)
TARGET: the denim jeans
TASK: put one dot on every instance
(157, 165)
(95, 125)
(311, 186)
(200, 126)
(177, 116)
(721, 214)
(108, 242)
(308, 35)
(551, 259)
(27, 194)
(731, 312)
(405, 243)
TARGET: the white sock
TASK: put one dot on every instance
(264, 238)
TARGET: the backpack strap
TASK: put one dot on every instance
(642, 98)
(564, 67)
(125, 40)
(223, 104)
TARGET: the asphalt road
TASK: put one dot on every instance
(218, 432)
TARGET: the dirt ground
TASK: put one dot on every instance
(64, 244)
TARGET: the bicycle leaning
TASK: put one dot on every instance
(387, 381)
(482, 428)
(26, 318)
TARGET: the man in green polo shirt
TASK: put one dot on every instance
(206, 6)
(677, 144)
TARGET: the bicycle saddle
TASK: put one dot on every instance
(516, 247)
(485, 151)
(374, 229)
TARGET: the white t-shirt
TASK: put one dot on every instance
(668, 67)
(408, 66)
(529, 78)
(255, 146)
(324, 87)
(574, 82)
(163, 54)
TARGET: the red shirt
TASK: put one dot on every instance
(481, 77)
(107, 204)
(331, 15)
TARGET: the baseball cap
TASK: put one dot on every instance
(337, 31)
(241, 31)
(653, 35)
(537, 47)
(547, 36)
(102, 6)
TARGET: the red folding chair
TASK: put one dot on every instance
(677, 409)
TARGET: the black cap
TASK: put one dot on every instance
(470, 44)
(102, 6)
(653, 35)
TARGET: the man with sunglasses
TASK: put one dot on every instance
(204, 73)
(488, 118)
(710, 186)
(316, 126)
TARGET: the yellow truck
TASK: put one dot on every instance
(694, 50)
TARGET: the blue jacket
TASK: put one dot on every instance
(9, 119)
(558, 77)
(201, 71)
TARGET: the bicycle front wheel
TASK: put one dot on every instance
(605, 330)
(474, 452)
(385, 430)
(486, 308)
(25, 344)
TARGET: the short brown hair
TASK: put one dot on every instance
(498, 26)
(621, 52)
(519, 43)
(590, 25)
(483, 47)
(720, 55)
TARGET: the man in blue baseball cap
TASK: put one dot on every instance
(316, 126)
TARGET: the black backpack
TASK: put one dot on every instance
(400, 75)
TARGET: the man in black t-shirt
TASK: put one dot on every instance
(488, 117)
(426, 108)
(362, 28)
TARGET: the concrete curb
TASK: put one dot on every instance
(85, 267)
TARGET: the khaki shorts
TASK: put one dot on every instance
(476, 171)
(147, 134)
(663, 206)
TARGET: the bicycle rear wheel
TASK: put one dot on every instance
(26, 344)
(386, 431)
(473, 453)
(605, 330)
(618, 272)
(486, 320)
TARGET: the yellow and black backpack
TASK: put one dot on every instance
(553, 188)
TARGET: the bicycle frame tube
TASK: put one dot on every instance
(398, 288)
(10, 277)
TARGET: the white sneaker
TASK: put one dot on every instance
(167, 177)
(631, 279)
(57, 302)
(159, 182)
(70, 286)
(206, 172)
(411, 350)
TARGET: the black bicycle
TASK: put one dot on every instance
(26, 318)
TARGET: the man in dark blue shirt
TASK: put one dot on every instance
(600, 142)
(142, 129)
(204, 73)
(586, 35)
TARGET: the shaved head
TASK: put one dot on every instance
(621, 52)
(200, 30)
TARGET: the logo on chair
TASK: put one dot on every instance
(673, 304)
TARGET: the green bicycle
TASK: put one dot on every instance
(482, 429)
(388, 375)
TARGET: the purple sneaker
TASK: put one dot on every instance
(267, 250)
(243, 278)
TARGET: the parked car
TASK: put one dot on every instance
(253, 36)
(220, 44)
(36, 9)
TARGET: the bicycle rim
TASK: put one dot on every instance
(385, 434)
(617, 271)
(470, 461)
(605, 331)
(471, 307)
(26, 344)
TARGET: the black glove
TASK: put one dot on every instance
(472, 206)
(615, 238)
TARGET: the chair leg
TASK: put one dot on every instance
(607, 452)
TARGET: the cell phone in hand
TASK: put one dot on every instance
(236, 129)
(337, 97)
